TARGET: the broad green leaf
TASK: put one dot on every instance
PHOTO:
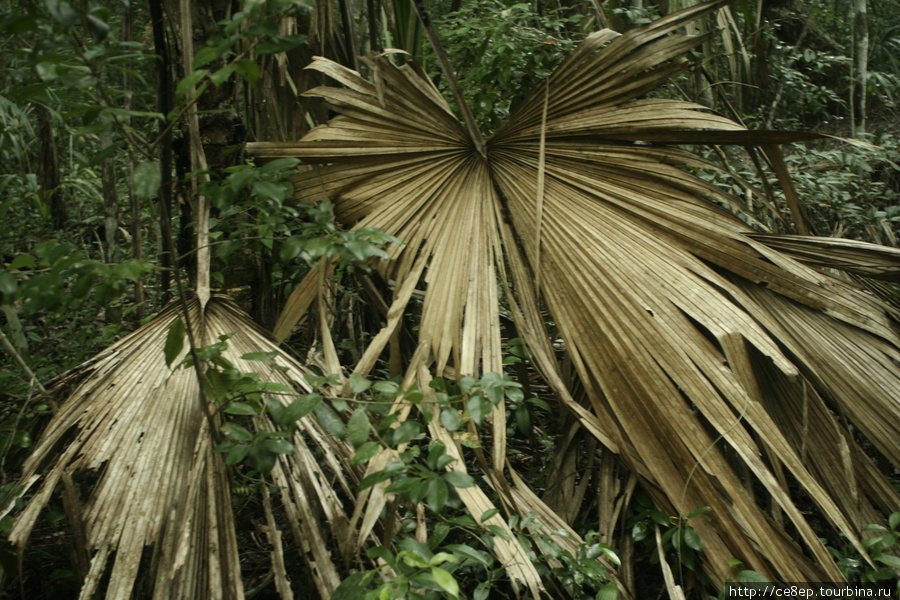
(894, 520)
(301, 407)
(609, 591)
(450, 418)
(219, 76)
(130, 269)
(358, 383)
(261, 458)
(147, 179)
(206, 55)
(236, 454)
(416, 547)
(98, 25)
(405, 432)
(278, 446)
(466, 551)
(241, 409)
(236, 432)
(458, 479)
(22, 439)
(488, 514)
(365, 452)
(329, 420)
(889, 560)
(749, 576)
(174, 342)
(475, 406)
(358, 427)
(698, 512)
(62, 12)
(291, 248)
(190, 81)
(437, 494)
(22, 261)
(692, 539)
(446, 581)
(8, 286)
(247, 69)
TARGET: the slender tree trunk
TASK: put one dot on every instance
(860, 23)
(136, 229)
(111, 253)
(165, 102)
(48, 170)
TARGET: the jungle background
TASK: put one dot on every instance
(116, 116)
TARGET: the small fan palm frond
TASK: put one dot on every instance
(133, 441)
(699, 345)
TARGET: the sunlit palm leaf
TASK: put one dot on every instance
(695, 341)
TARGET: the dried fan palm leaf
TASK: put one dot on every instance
(134, 435)
(675, 317)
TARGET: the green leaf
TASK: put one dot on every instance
(62, 13)
(219, 77)
(660, 518)
(98, 25)
(489, 513)
(446, 581)
(358, 383)
(174, 342)
(130, 269)
(894, 520)
(8, 287)
(247, 69)
(301, 407)
(416, 547)
(748, 576)
(329, 420)
(236, 454)
(365, 452)
(241, 409)
(465, 551)
(261, 458)
(450, 419)
(474, 406)
(482, 591)
(190, 81)
(358, 427)
(22, 439)
(608, 592)
(458, 479)
(889, 560)
(206, 56)
(26, 261)
(523, 419)
(290, 248)
(394, 467)
(260, 356)
(405, 432)
(437, 494)
(692, 539)
(147, 179)
(236, 432)
(698, 512)
(278, 445)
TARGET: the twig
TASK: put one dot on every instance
(32, 378)
(452, 82)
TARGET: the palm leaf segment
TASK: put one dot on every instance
(699, 346)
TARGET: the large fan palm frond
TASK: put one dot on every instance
(701, 347)
(133, 450)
